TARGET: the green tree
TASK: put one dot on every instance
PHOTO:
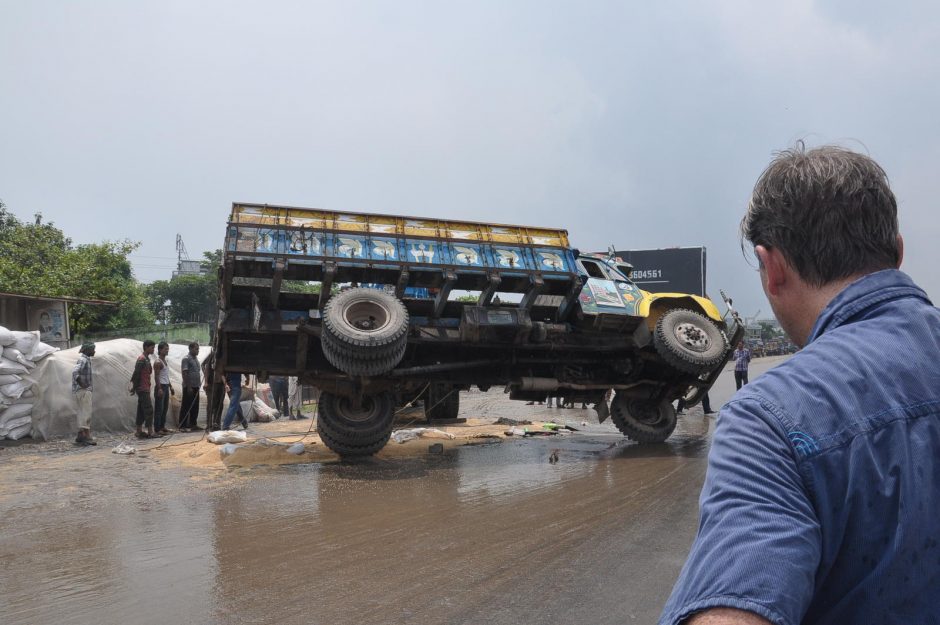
(768, 331)
(32, 256)
(211, 261)
(191, 298)
(38, 259)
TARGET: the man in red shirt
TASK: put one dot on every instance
(142, 381)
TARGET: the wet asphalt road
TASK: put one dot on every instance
(485, 534)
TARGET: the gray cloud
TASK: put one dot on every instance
(642, 126)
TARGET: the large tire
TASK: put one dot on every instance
(365, 331)
(643, 420)
(353, 450)
(365, 322)
(355, 432)
(689, 342)
(442, 401)
(362, 366)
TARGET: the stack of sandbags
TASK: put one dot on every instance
(19, 353)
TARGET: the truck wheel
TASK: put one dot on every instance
(689, 342)
(352, 450)
(643, 420)
(352, 431)
(365, 331)
(362, 366)
(442, 401)
(363, 322)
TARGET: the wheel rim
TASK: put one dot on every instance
(646, 413)
(692, 337)
(368, 410)
(367, 316)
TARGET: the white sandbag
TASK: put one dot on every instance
(8, 366)
(15, 390)
(25, 341)
(18, 433)
(403, 436)
(296, 449)
(6, 337)
(12, 413)
(227, 436)
(262, 412)
(13, 353)
(124, 449)
(8, 378)
(11, 425)
(41, 350)
(228, 449)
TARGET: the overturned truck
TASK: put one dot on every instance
(379, 311)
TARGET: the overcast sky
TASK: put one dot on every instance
(636, 124)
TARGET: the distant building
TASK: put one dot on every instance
(189, 268)
(752, 335)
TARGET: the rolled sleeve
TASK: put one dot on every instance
(758, 542)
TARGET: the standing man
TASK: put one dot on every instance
(820, 504)
(189, 368)
(278, 384)
(295, 398)
(162, 389)
(742, 357)
(141, 381)
(234, 383)
(213, 384)
(706, 405)
(82, 387)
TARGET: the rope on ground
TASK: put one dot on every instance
(429, 408)
(313, 421)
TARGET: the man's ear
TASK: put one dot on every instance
(775, 268)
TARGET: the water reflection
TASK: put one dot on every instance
(421, 539)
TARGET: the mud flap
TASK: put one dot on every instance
(603, 411)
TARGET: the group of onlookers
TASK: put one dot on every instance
(153, 376)
(147, 374)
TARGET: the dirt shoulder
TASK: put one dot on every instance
(268, 443)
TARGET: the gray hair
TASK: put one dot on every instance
(830, 212)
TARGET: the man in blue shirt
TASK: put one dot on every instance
(742, 358)
(821, 503)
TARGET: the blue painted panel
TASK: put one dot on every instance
(423, 251)
(552, 259)
(269, 241)
(305, 242)
(467, 254)
(509, 257)
(384, 248)
(350, 245)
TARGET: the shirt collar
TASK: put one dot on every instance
(870, 289)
